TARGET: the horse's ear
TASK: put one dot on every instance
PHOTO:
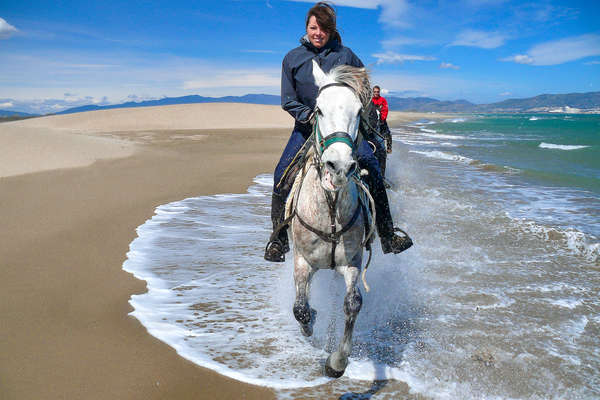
(318, 74)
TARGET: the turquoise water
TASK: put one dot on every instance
(557, 150)
(553, 161)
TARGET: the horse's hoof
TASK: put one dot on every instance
(307, 329)
(334, 367)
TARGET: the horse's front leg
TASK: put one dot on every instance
(337, 361)
(305, 315)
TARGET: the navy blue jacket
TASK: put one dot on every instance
(298, 89)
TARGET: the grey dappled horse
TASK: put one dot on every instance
(329, 222)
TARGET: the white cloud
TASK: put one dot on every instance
(519, 58)
(394, 13)
(560, 51)
(505, 94)
(6, 29)
(27, 76)
(484, 40)
(8, 104)
(592, 63)
(445, 65)
(392, 57)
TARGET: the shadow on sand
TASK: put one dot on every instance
(376, 386)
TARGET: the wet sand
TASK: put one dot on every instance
(73, 189)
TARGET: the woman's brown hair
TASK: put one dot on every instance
(325, 16)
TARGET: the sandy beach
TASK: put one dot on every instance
(73, 189)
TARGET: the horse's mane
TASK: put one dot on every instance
(355, 77)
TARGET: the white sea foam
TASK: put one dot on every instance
(414, 142)
(569, 303)
(474, 278)
(214, 299)
(433, 134)
(561, 146)
(577, 242)
(456, 120)
(534, 118)
(440, 155)
(425, 122)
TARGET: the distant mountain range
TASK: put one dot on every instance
(6, 113)
(572, 102)
(545, 103)
(248, 98)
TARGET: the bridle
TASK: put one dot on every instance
(322, 143)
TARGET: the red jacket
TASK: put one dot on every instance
(381, 103)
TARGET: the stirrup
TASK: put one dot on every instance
(275, 251)
(396, 244)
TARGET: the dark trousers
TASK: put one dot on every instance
(380, 153)
(366, 160)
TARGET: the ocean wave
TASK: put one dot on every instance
(456, 120)
(424, 122)
(534, 118)
(433, 134)
(440, 155)
(561, 146)
(577, 242)
(414, 142)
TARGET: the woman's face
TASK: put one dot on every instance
(316, 35)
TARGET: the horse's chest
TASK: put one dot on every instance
(316, 250)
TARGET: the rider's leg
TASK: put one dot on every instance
(390, 242)
(278, 246)
(380, 155)
(385, 130)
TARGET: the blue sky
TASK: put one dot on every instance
(59, 54)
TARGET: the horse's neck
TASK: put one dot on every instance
(313, 205)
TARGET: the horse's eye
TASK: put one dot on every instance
(330, 165)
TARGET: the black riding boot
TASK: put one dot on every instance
(390, 241)
(278, 243)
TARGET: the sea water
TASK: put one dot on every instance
(498, 298)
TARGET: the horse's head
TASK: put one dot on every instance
(342, 94)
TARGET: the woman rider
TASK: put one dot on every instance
(322, 43)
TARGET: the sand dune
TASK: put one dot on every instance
(48, 143)
(175, 117)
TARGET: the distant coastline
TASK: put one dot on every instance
(571, 103)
